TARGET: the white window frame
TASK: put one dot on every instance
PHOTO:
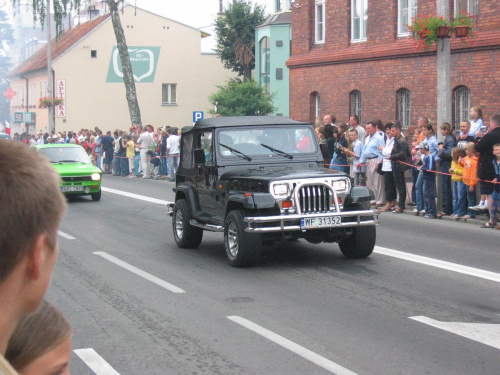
(319, 24)
(265, 63)
(462, 105)
(355, 104)
(169, 100)
(471, 7)
(405, 15)
(363, 24)
(317, 104)
(403, 110)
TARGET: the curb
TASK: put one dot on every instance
(478, 220)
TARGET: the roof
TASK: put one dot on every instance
(220, 122)
(284, 18)
(38, 60)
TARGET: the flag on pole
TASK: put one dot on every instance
(7, 127)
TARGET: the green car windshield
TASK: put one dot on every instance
(65, 154)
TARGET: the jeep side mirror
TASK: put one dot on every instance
(199, 157)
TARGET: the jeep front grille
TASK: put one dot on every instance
(315, 199)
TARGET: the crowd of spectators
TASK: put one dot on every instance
(141, 152)
(378, 155)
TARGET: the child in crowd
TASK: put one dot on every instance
(429, 187)
(41, 343)
(155, 164)
(469, 163)
(495, 212)
(459, 193)
(130, 147)
(357, 148)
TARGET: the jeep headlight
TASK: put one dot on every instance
(280, 189)
(339, 185)
(95, 176)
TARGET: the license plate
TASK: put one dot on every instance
(67, 189)
(320, 222)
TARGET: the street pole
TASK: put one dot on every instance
(443, 85)
(443, 72)
(50, 83)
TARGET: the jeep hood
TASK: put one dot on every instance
(275, 173)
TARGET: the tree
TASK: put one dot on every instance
(6, 38)
(235, 30)
(241, 98)
(61, 8)
(128, 77)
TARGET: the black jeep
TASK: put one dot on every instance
(261, 180)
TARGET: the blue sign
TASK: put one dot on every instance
(197, 115)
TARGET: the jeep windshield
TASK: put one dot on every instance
(285, 141)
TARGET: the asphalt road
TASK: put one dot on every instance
(140, 305)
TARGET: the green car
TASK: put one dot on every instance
(79, 176)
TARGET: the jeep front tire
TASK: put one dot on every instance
(186, 236)
(242, 249)
(362, 241)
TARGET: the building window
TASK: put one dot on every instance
(359, 20)
(469, 6)
(278, 5)
(265, 64)
(319, 21)
(462, 105)
(93, 53)
(407, 9)
(169, 93)
(403, 109)
(355, 104)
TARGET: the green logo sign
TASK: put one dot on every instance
(143, 59)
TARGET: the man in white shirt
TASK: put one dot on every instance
(354, 124)
(173, 152)
(146, 143)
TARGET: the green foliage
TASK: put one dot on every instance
(61, 8)
(242, 98)
(235, 30)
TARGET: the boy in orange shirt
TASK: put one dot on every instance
(470, 177)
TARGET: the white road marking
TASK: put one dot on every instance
(65, 235)
(488, 334)
(95, 362)
(136, 196)
(140, 272)
(290, 345)
(476, 272)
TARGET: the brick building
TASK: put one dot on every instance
(356, 57)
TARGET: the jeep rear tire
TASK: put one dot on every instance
(242, 249)
(186, 236)
(362, 241)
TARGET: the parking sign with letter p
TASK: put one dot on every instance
(197, 115)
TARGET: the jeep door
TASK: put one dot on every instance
(206, 178)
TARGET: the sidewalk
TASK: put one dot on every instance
(478, 220)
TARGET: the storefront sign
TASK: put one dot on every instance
(60, 93)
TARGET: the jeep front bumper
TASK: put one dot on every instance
(279, 223)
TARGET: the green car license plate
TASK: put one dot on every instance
(68, 189)
(320, 222)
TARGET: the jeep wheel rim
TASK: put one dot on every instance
(232, 240)
(179, 225)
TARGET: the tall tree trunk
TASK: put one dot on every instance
(128, 78)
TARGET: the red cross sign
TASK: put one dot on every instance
(10, 93)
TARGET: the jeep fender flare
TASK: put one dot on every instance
(191, 197)
(254, 201)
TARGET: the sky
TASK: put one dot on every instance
(195, 13)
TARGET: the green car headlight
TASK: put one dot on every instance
(96, 176)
